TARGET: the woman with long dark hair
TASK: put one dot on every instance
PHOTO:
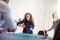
(27, 23)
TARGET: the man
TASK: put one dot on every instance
(55, 22)
(5, 15)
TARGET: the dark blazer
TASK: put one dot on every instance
(28, 26)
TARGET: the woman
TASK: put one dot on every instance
(27, 24)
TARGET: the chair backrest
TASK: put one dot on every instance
(57, 33)
(40, 33)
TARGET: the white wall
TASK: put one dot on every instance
(58, 9)
(36, 7)
(40, 9)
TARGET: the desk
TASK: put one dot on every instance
(20, 36)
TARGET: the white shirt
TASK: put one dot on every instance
(5, 11)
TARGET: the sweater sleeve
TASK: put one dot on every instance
(20, 22)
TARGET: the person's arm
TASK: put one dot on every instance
(21, 24)
(50, 29)
(1, 29)
(32, 26)
(9, 21)
(6, 12)
(8, 18)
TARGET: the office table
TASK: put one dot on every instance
(21, 36)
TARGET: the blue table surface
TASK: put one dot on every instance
(21, 36)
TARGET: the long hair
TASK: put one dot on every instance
(31, 18)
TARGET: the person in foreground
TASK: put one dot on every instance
(6, 21)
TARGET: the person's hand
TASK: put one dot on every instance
(45, 31)
(11, 29)
(14, 29)
(31, 29)
(1, 30)
(22, 25)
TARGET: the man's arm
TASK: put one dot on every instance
(50, 29)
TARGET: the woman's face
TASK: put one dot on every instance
(28, 17)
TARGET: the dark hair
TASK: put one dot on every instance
(31, 18)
